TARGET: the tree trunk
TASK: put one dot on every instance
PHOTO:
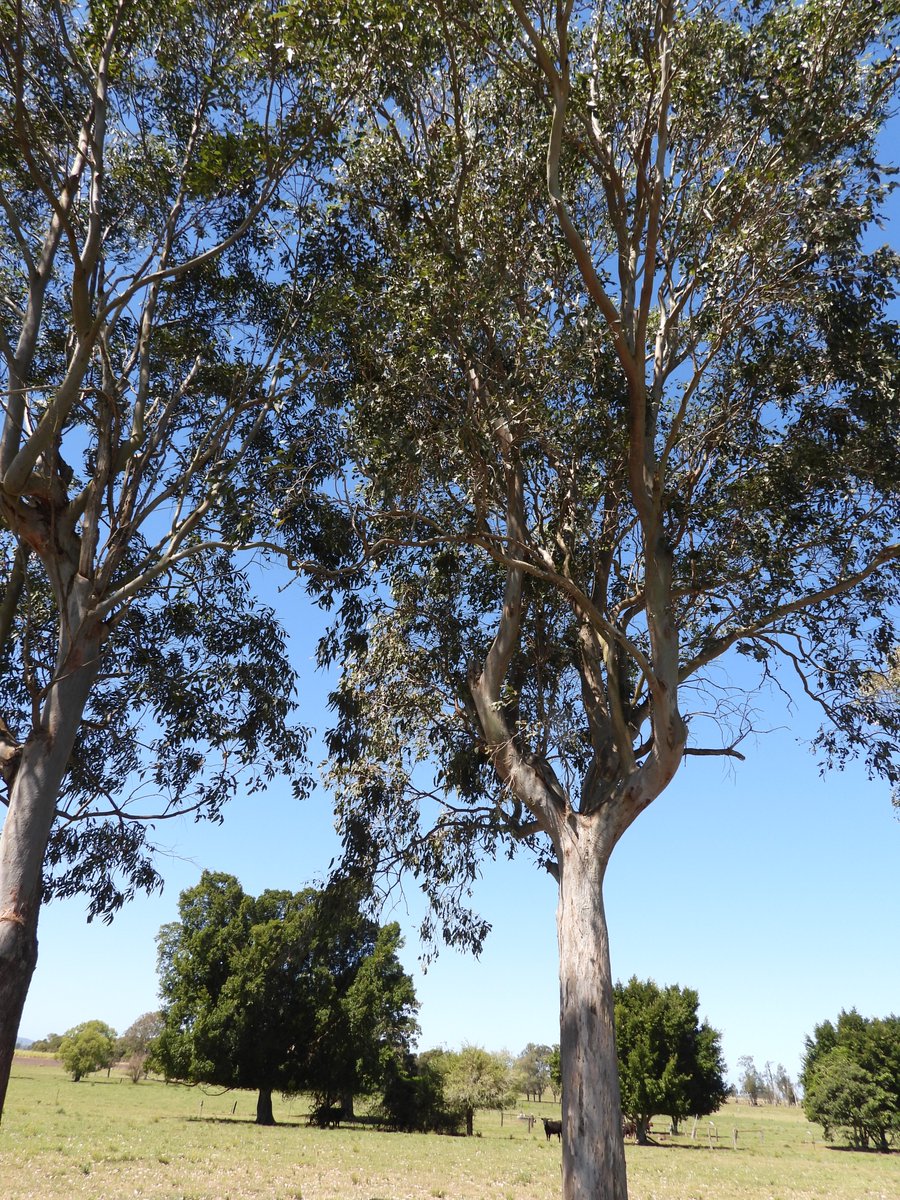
(347, 1105)
(264, 1114)
(470, 1122)
(593, 1151)
(26, 832)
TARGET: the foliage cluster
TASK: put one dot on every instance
(281, 992)
(90, 1046)
(851, 1079)
(770, 1085)
(669, 1061)
(533, 1072)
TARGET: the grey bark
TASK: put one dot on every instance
(593, 1152)
(30, 816)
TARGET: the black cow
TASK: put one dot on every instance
(551, 1127)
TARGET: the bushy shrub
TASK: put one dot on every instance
(413, 1100)
(87, 1047)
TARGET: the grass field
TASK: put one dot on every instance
(108, 1139)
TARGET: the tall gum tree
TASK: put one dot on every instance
(158, 165)
(621, 393)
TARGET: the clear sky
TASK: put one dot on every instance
(770, 889)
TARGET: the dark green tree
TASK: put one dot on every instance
(669, 1061)
(413, 1096)
(851, 1079)
(283, 992)
(620, 382)
(87, 1047)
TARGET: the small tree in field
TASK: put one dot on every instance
(135, 1043)
(474, 1078)
(851, 1079)
(532, 1071)
(669, 1061)
(87, 1047)
(749, 1082)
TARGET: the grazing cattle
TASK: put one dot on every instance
(551, 1127)
(327, 1116)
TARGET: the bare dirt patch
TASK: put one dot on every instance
(23, 1058)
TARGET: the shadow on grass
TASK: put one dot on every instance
(697, 1146)
(858, 1150)
(246, 1121)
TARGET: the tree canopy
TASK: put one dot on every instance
(282, 992)
(532, 1071)
(473, 1078)
(87, 1047)
(851, 1079)
(669, 1060)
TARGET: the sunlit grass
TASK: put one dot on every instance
(108, 1139)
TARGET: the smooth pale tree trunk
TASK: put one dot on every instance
(26, 830)
(593, 1150)
(264, 1113)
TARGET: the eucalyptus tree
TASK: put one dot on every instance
(621, 393)
(158, 166)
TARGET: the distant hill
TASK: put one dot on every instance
(24, 1043)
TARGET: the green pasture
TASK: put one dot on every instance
(109, 1139)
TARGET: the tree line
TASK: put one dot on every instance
(301, 992)
(564, 379)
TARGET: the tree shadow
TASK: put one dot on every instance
(860, 1150)
(248, 1121)
(696, 1146)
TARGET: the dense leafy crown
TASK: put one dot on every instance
(851, 1078)
(286, 990)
